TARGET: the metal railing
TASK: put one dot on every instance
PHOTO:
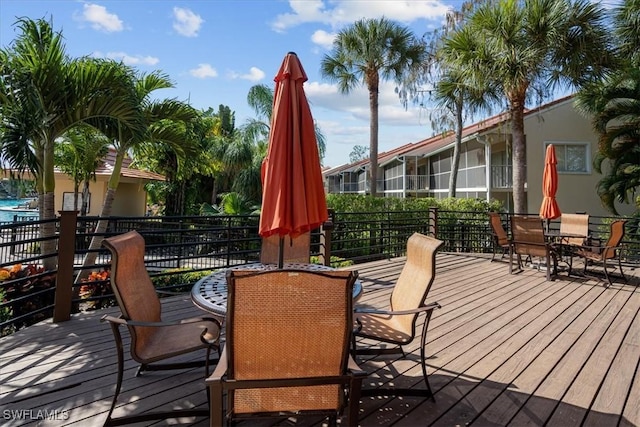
(180, 250)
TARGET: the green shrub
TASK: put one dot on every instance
(178, 279)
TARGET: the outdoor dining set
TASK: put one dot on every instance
(282, 340)
(530, 238)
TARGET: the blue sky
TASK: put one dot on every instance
(215, 50)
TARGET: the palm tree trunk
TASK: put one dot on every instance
(519, 155)
(455, 162)
(48, 246)
(373, 139)
(103, 222)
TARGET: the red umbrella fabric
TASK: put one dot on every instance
(549, 208)
(293, 198)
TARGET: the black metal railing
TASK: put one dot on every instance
(180, 250)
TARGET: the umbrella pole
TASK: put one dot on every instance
(281, 253)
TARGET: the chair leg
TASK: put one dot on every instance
(423, 356)
(216, 400)
(621, 272)
(355, 390)
(120, 355)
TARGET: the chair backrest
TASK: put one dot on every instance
(416, 278)
(575, 224)
(288, 324)
(295, 249)
(498, 230)
(528, 235)
(132, 286)
(616, 234)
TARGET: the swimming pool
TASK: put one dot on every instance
(8, 216)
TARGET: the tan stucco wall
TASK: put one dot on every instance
(130, 197)
(576, 192)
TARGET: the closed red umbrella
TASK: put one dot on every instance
(293, 198)
(549, 208)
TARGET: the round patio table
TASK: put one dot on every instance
(210, 292)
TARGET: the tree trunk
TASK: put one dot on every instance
(373, 136)
(519, 155)
(85, 199)
(103, 222)
(48, 246)
(455, 162)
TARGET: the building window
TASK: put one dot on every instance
(573, 157)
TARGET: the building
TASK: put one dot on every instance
(131, 196)
(422, 169)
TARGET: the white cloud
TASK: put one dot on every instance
(340, 12)
(204, 71)
(127, 58)
(322, 38)
(99, 19)
(254, 75)
(186, 22)
(356, 104)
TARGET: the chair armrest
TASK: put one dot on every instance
(353, 367)
(428, 307)
(221, 368)
(598, 250)
(524, 242)
(122, 321)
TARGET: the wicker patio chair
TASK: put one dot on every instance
(152, 340)
(397, 324)
(295, 249)
(527, 238)
(604, 254)
(287, 347)
(500, 237)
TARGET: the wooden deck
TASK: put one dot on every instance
(504, 350)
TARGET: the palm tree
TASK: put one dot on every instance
(43, 94)
(260, 98)
(78, 155)
(165, 123)
(527, 48)
(614, 105)
(365, 53)
(453, 97)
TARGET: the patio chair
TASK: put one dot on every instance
(296, 250)
(152, 340)
(604, 254)
(397, 325)
(577, 224)
(287, 347)
(527, 238)
(500, 237)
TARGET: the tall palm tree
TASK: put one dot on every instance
(529, 48)
(43, 94)
(164, 122)
(453, 99)
(614, 105)
(365, 53)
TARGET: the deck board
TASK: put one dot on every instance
(503, 350)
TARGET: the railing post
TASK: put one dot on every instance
(325, 240)
(433, 222)
(64, 277)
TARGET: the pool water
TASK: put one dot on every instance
(6, 216)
